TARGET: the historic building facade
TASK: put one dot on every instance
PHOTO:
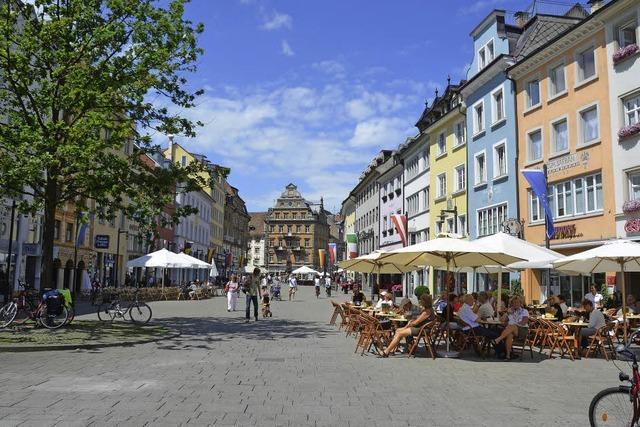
(236, 231)
(295, 231)
(256, 255)
(391, 202)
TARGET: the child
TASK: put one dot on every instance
(266, 303)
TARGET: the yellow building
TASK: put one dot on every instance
(444, 124)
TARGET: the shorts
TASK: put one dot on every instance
(522, 332)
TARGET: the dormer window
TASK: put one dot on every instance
(486, 54)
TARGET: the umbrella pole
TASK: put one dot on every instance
(624, 300)
(448, 353)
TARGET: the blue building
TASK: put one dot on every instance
(491, 126)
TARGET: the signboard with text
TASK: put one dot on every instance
(102, 241)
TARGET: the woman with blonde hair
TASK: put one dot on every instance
(231, 288)
(516, 322)
(413, 327)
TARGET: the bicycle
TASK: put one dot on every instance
(27, 307)
(138, 311)
(619, 406)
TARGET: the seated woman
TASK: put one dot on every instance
(358, 297)
(517, 324)
(555, 308)
(385, 299)
(413, 327)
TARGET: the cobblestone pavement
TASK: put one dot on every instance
(290, 370)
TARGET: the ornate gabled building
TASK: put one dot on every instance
(295, 230)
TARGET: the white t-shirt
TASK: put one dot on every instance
(327, 281)
(467, 315)
(293, 283)
(317, 282)
(516, 317)
(596, 319)
(564, 308)
(486, 310)
(233, 286)
(595, 299)
(382, 302)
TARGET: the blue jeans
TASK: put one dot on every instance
(253, 298)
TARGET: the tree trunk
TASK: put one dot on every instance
(48, 233)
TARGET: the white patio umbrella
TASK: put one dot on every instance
(195, 262)
(616, 255)
(304, 270)
(160, 259)
(374, 263)
(449, 252)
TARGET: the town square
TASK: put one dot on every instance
(319, 213)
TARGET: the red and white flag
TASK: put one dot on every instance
(400, 223)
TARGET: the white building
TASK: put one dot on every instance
(256, 255)
(391, 202)
(193, 233)
(623, 31)
(414, 154)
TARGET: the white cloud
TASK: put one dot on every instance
(276, 21)
(385, 132)
(286, 49)
(330, 67)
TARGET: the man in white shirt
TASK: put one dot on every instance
(470, 319)
(293, 287)
(595, 297)
(385, 299)
(596, 321)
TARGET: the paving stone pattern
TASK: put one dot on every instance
(290, 370)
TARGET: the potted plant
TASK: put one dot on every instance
(625, 52)
(397, 290)
(628, 131)
(419, 290)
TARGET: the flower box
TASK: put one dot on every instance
(625, 53)
(628, 131)
(631, 206)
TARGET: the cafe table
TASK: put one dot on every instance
(576, 327)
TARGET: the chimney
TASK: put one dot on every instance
(595, 5)
(521, 18)
(172, 151)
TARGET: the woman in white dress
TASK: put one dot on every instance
(231, 289)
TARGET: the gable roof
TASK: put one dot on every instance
(540, 30)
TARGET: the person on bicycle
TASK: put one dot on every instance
(327, 285)
(316, 282)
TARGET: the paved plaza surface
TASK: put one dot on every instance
(290, 370)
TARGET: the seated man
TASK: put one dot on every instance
(486, 309)
(192, 292)
(385, 299)
(631, 306)
(358, 297)
(596, 321)
(517, 324)
(470, 320)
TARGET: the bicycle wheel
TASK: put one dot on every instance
(54, 320)
(611, 407)
(139, 312)
(106, 312)
(7, 314)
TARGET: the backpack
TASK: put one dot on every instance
(54, 302)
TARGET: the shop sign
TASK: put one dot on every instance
(567, 162)
(31, 249)
(632, 226)
(566, 232)
(102, 241)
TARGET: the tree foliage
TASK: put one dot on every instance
(84, 84)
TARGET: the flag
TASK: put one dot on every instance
(321, 255)
(400, 223)
(352, 246)
(333, 253)
(84, 218)
(227, 259)
(538, 183)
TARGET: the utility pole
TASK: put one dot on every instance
(9, 283)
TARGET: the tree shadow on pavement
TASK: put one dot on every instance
(199, 332)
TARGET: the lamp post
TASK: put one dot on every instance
(117, 264)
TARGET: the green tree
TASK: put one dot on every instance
(80, 81)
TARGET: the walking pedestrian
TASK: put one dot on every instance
(293, 287)
(316, 282)
(327, 285)
(231, 288)
(252, 289)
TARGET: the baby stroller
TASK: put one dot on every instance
(266, 304)
(275, 291)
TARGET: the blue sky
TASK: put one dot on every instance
(307, 91)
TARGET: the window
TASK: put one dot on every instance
(563, 200)
(184, 161)
(589, 127)
(56, 230)
(425, 199)
(534, 146)
(499, 160)
(277, 215)
(586, 62)
(490, 220)
(413, 204)
(559, 136)
(489, 50)
(497, 106)
(533, 93)
(68, 234)
(480, 169)
(631, 110)
(306, 228)
(442, 144)
(576, 197)
(557, 83)
(288, 229)
(634, 186)
(298, 228)
(460, 129)
(412, 168)
(478, 118)
(280, 228)
(307, 243)
(462, 225)
(438, 227)
(482, 59)
(627, 34)
(485, 55)
(593, 193)
(450, 228)
(442, 185)
(460, 178)
(534, 208)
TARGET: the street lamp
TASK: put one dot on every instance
(117, 264)
(454, 211)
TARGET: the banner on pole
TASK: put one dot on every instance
(333, 253)
(400, 223)
(538, 183)
(321, 256)
(352, 246)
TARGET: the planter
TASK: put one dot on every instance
(625, 52)
(631, 206)
(628, 131)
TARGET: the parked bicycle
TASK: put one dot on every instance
(619, 406)
(138, 311)
(49, 311)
